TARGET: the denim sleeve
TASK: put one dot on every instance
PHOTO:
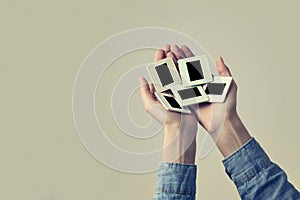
(176, 181)
(256, 177)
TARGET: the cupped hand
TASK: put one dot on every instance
(180, 129)
(220, 120)
(207, 113)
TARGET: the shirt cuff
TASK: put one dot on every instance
(246, 162)
(176, 178)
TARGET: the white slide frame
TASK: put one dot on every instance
(190, 101)
(155, 78)
(183, 69)
(167, 106)
(219, 98)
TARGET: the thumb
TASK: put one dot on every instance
(146, 94)
(151, 105)
(223, 70)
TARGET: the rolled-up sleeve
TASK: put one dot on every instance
(176, 181)
(256, 176)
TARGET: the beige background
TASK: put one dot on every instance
(43, 43)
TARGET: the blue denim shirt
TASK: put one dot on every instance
(255, 176)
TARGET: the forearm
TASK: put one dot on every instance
(176, 178)
(233, 135)
(179, 144)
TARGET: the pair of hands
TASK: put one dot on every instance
(181, 129)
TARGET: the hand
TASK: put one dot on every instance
(219, 119)
(204, 111)
(179, 129)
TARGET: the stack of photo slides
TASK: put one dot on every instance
(192, 83)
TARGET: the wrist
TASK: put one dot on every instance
(233, 136)
(179, 144)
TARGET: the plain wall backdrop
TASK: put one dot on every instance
(43, 43)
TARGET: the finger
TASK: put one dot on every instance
(187, 52)
(153, 90)
(145, 93)
(173, 56)
(167, 49)
(160, 54)
(223, 70)
(177, 51)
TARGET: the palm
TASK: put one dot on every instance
(208, 114)
(155, 108)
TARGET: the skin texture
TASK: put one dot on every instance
(176, 149)
(180, 129)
